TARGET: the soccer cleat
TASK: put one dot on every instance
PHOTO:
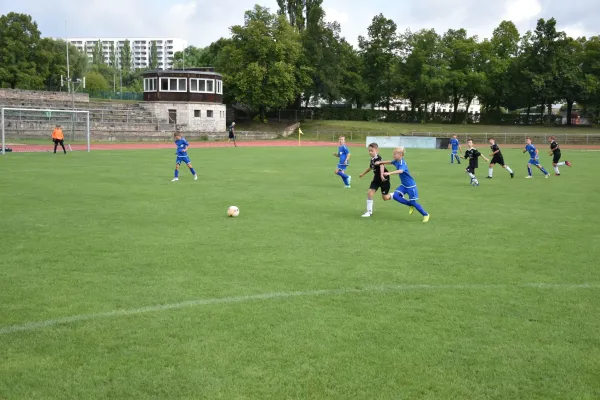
(547, 176)
(347, 187)
(528, 177)
(366, 214)
(174, 179)
(426, 218)
(556, 174)
(568, 163)
(476, 183)
(512, 175)
(489, 177)
(411, 210)
(195, 177)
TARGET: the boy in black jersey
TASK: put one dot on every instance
(379, 180)
(555, 153)
(497, 158)
(472, 154)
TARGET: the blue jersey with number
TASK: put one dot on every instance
(532, 151)
(454, 142)
(343, 152)
(405, 178)
(181, 145)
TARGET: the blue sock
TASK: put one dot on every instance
(344, 177)
(544, 171)
(193, 171)
(400, 199)
(457, 159)
(529, 170)
(418, 207)
(451, 158)
(176, 173)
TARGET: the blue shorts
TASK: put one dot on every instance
(412, 192)
(454, 151)
(533, 161)
(183, 159)
(342, 166)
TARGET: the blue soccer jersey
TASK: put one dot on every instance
(343, 151)
(454, 142)
(405, 178)
(181, 145)
(531, 150)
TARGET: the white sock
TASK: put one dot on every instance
(560, 163)
(556, 170)
(471, 175)
(508, 169)
(490, 171)
(370, 206)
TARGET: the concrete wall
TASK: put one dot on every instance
(34, 95)
(192, 116)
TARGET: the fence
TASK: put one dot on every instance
(581, 139)
(110, 95)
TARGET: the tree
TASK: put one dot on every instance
(379, 53)
(19, 41)
(55, 56)
(352, 86)
(95, 81)
(113, 56)
(259, 64)
(153, 56)
(97, 54)
(571, 84)
(298, 12)
(126, 56)
(200, 57)
(590, 66)
(464, 80)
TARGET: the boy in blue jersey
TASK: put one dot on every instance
(455, 145)
(407, 184)
(182, 156)
(534, 158)
(344, 155)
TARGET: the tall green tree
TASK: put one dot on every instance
(126, 56)
(352, 86)
(55, 55)
(113, 56)
(95, 81)
(464, 80)
(379, 50)
(571, 84)
(200, 57)
(19, 41)
(259, 64)
(298, 12)
(97, 54)
(590, 66)
(153, 64)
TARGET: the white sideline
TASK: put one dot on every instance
(30, 326)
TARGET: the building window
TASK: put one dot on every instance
(202, 85)
(149, 84)
(219, 87)
(173, 84)
(197, 114)
(209, 113)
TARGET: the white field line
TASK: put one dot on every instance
(30, 326)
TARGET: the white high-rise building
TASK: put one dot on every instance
(140, 49)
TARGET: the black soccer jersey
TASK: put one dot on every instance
(554, 147)
(494, 148)
(375, 168)
(473, 156)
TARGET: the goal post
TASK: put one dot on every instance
(30, 129)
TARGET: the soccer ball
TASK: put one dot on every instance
(233, 211)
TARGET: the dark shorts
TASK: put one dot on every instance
(556, 157)
(379, 184)
(58, 141)
(498, 160)
(471, 169)
(231, 135)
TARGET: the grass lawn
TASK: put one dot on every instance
(497, 297)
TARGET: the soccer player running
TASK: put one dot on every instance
(58, 138)
(379, 180)
(182, 156)
(344, 155)
(472, 154)
(534, 158)
(407, 184)
(455, 144)
(497, 158)
(555, 153)
(232, 134)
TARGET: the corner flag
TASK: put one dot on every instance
(299, 133)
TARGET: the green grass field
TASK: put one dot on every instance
(117, 283)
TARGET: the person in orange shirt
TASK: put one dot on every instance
(58, 137)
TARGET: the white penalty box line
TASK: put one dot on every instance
(37, 325)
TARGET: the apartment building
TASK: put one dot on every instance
(140, 49)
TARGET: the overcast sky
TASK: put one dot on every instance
(201, 22)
